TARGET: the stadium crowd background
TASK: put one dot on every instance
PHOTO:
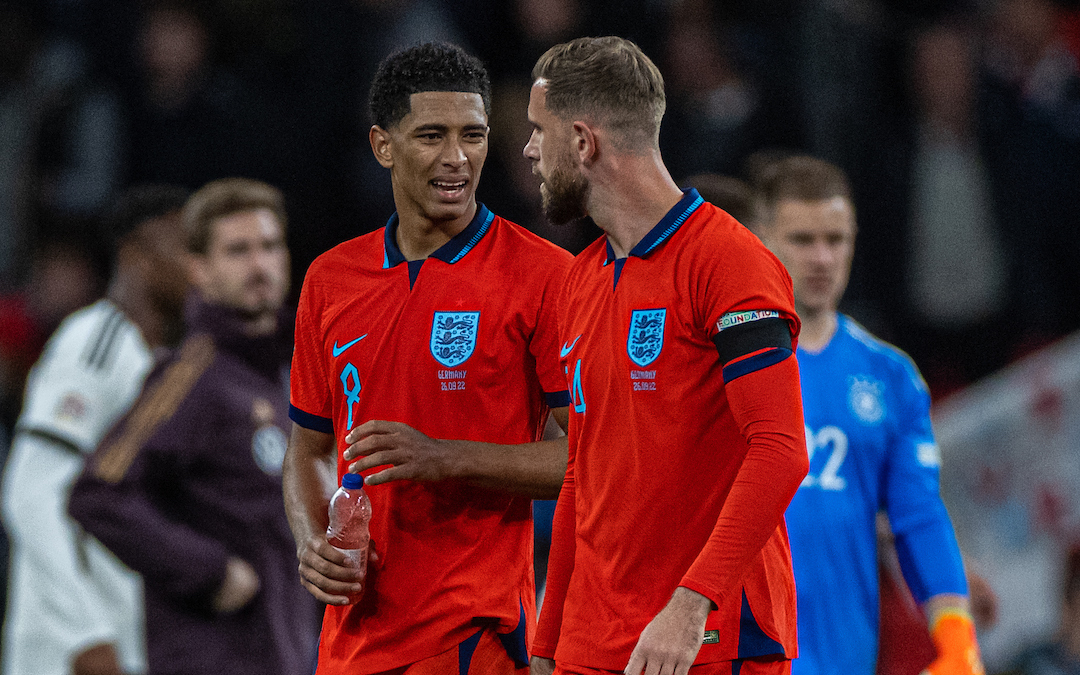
(958, 122)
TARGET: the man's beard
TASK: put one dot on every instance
(563, 196)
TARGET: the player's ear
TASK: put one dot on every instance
(586, 143)
(381, 146)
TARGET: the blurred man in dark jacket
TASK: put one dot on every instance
(187, 488)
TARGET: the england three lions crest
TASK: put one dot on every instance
(646, 337)
(453, 337)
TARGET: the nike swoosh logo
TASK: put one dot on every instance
(339, 350)
(566, 350)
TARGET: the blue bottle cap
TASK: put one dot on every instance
(351, 481)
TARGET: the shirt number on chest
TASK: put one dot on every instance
(350, 383)
(835, 441)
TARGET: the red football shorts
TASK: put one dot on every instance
(738, 667)
(483, 656)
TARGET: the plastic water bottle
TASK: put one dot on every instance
(350, 513)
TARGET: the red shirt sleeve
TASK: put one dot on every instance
(767, 406)
(544, 345)
(307, 379)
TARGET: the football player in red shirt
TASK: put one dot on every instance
(669, 552)
(441, 325)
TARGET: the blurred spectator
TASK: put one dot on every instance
(59, 155)
(1030, 115)
(189, 120)
(955, 269)
(74, 608)
(65, 274)
(717, 112)
(1061, 656)
(729, 193)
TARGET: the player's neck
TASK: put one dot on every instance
(133, 298)
(818, 328)
(419, 236)
(629, 196)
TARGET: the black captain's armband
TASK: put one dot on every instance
(752, 346)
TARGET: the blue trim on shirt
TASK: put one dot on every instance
(660, 233)
(752, 640)
(481, 222)
(557, 399)
(465, 652)
(667, 226)
(414, 271)
(514, 641)
(754, 363)
(309, 421)
(450, 252)
(619, 264)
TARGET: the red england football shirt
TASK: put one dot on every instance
(656, 449)
(461, 345)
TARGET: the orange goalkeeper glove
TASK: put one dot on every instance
(953, 633)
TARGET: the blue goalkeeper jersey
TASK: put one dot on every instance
(871, 448)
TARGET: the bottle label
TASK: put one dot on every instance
(354, 557)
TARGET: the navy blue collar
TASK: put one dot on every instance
(450, 252)
(663, 230)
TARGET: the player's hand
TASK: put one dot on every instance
(410, 454)
(984, 602)
(326, 574)
(239, 587)
(538, 665)
(99, 659)
(958, 652)
(670, 643)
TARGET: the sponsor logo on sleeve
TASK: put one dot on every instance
(928, 455)
(732, 319)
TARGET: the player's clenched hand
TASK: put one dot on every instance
(410, 454)
(670, 643)
(538, 665)
(325, 573)
(240, 585)
(953, 632)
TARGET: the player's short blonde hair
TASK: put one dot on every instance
(608, 81)
(225, 197)
(800, 178)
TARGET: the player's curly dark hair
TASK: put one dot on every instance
(432, 66)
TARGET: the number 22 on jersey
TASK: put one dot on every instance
(835, 441)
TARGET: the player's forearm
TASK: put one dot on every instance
(930, 557)
(535, 470)
(304, 483)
